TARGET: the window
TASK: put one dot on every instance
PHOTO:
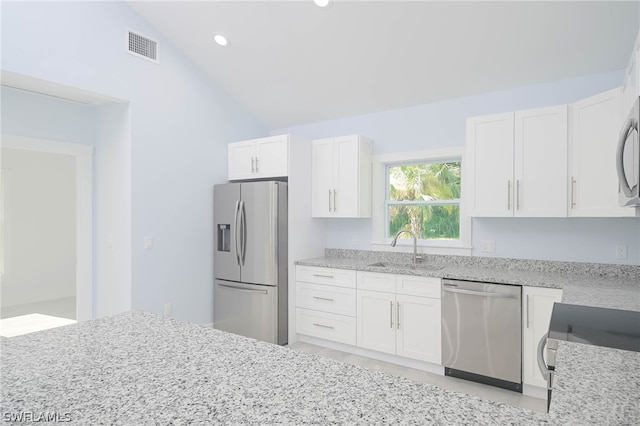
(425, 198)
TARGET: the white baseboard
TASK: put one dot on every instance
(393, 359)
(534, 391)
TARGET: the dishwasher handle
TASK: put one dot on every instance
(478, 293)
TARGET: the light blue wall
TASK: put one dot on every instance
(45, 117)
(181, 122)
(442, 124)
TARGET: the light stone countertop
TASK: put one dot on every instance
(138, 368)
(610, 286)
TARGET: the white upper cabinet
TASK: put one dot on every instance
(341, 177)
(259, 158)
(540, 172)
(241, 160)
(593, 189)
(517, 163)
(489, 165)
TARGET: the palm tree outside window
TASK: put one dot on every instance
(424, 198)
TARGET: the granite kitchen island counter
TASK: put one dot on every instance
(138, 368)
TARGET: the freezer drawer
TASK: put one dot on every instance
(247, 309)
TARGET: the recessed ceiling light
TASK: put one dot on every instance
(321, 3)
(220, 39)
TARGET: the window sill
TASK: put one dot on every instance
(457, 249)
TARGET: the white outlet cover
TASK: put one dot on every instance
(489, 246)
(621, 252)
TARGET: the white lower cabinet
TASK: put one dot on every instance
(338, 328)
(418, 328)
(394, 316)
(326, 303)
(376, 326)
(536, 312)
(389, 313)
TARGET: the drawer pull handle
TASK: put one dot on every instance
(323, 276)
(323, 298)
(323, 326)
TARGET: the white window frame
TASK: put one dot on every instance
(381, 242)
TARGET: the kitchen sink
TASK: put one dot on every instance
(425, 266)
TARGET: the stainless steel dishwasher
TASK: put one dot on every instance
(482, 332)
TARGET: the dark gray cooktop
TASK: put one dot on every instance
(613, 328)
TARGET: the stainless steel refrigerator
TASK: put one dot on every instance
(250, 260)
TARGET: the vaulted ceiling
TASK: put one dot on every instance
(291, 62)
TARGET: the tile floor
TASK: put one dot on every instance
(64, 308)
(451, 383)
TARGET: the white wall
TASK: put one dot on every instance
(39, 224)
(180, 124)
(112, 210)
(442, 124)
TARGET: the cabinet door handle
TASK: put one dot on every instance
(329, 201)
(323, 298)
(398, 315)
(527, 311)
(252, 165)
(391, 313)
(257, 164)
(334, 200)
(573, 190)
(509, 194)
(323, 326)
(518, 194)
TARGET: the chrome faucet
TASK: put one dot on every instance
(415, 243)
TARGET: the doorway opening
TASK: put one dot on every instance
(45, 229)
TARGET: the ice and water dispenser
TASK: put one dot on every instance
(224, 237)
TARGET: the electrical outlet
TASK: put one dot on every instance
(489, 246)
(621, 252)
(167, 310)
(354, 240)
(148, 242)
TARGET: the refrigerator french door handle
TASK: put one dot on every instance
(243, 231)
(235, 231)
(274, 222)
(630, 125)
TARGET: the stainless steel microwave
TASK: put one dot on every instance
(628, 159)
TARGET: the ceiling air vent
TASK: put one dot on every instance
(142, 47)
